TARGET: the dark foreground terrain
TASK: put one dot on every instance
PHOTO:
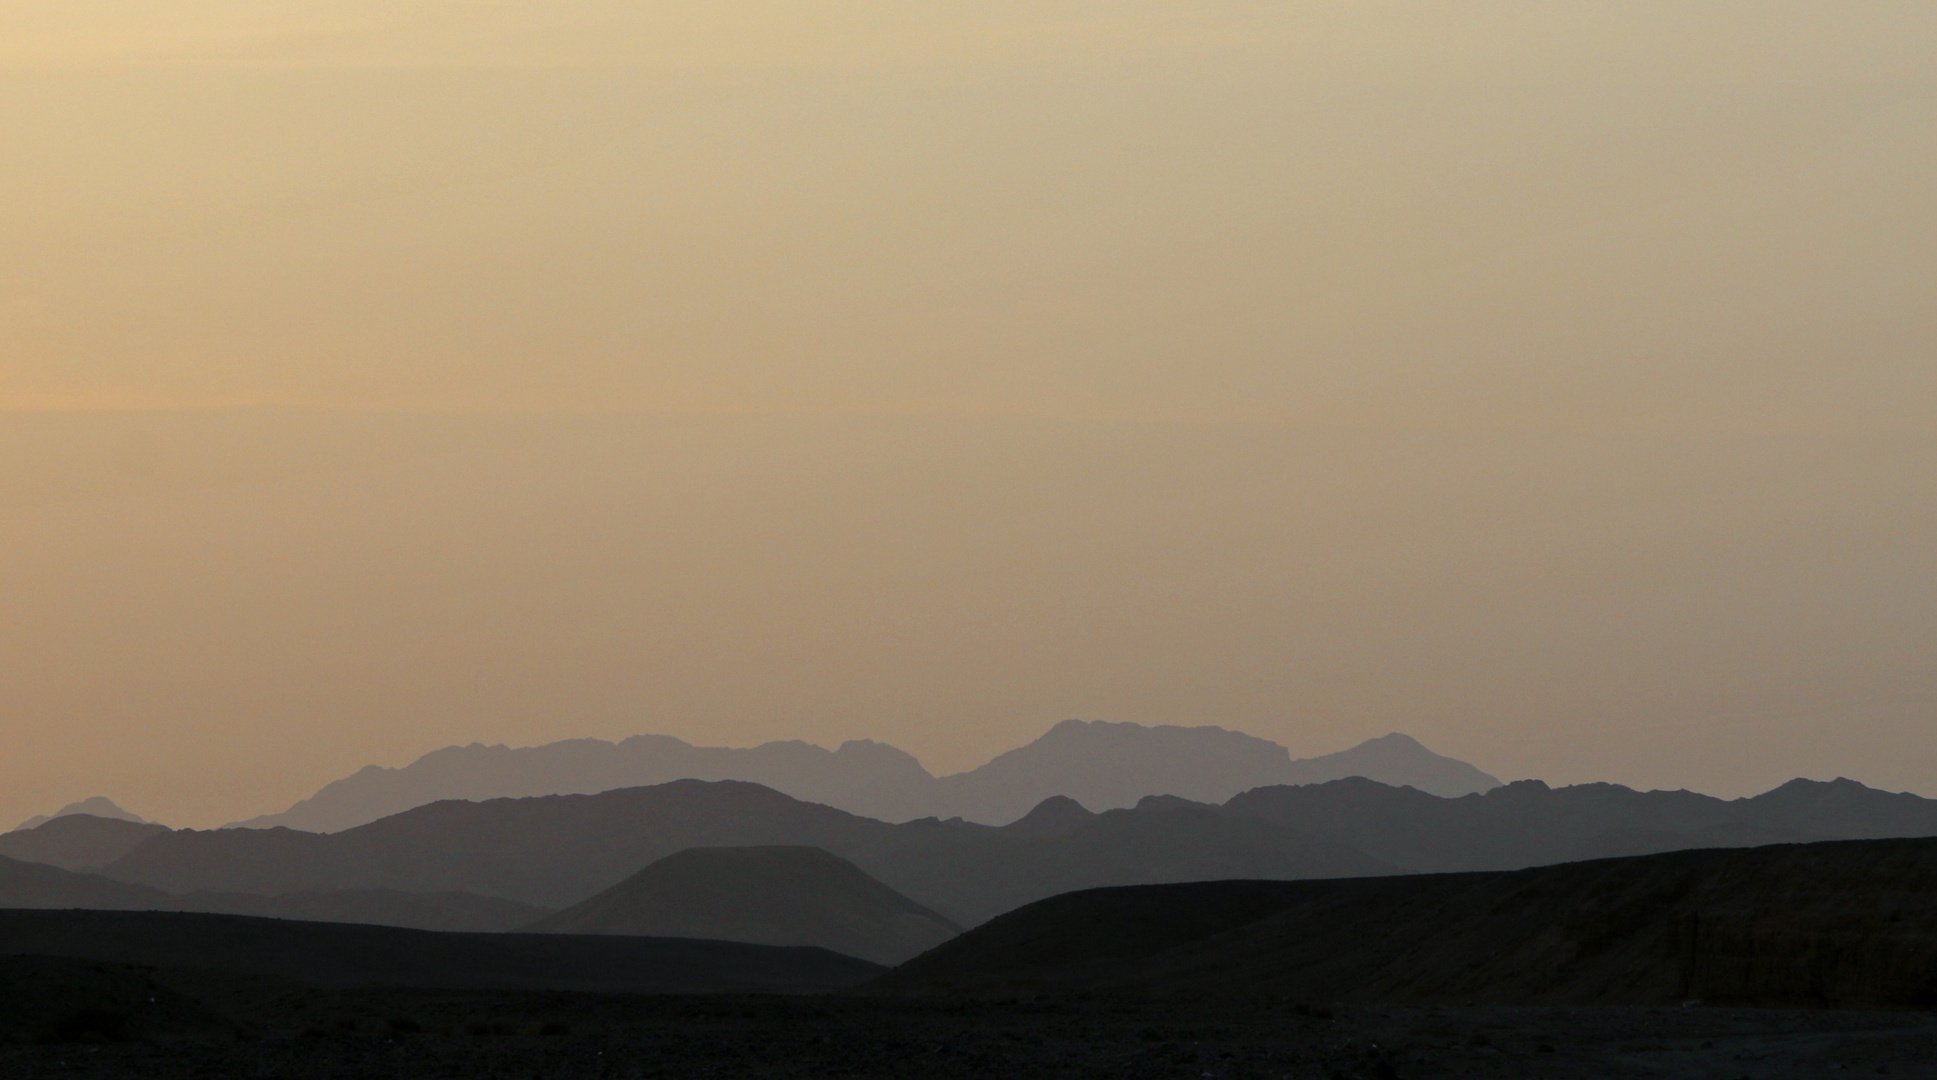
(98, 1021)
(1848, 924)
(1800, 961)
(285, 951)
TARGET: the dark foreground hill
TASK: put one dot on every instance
(1834, 924)
(36, 885)
(342, 955)
(765, 895)
(556, 851)
(1101, 764)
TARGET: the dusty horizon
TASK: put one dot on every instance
(965, 767)
(1552, 383)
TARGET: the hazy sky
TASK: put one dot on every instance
(1555, 382)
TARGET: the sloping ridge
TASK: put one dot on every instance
(1840, 924)
(340, 954)
(773, 895)
(38, 885)
(30, 885)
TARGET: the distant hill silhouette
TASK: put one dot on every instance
(1107, 765)
(99, 806)
(558, 850)
(765, 895)
(37, 885)
(77, 841)
(1527, 823)
(1839, 924)
(868, 778)
(1058, 815)
(340, 955)
(1102, 765)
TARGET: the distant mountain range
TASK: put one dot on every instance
(556, 851)
(1103, 765)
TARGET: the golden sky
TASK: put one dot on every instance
(1552, 381)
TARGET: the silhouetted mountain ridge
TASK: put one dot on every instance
(1103, 765)
(77, 841)
(1527, 823)
(557, 850)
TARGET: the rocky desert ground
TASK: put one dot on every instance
(263, 1032)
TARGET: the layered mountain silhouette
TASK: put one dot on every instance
(1527, 823)
(37, 885)
(77, 841)
(29, 885)
(1846, 924)
(1100, 764)
(1107, 766)
(555, 851)
(99, 806)
(764, 895)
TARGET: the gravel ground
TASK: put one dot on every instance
(552, 1036)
